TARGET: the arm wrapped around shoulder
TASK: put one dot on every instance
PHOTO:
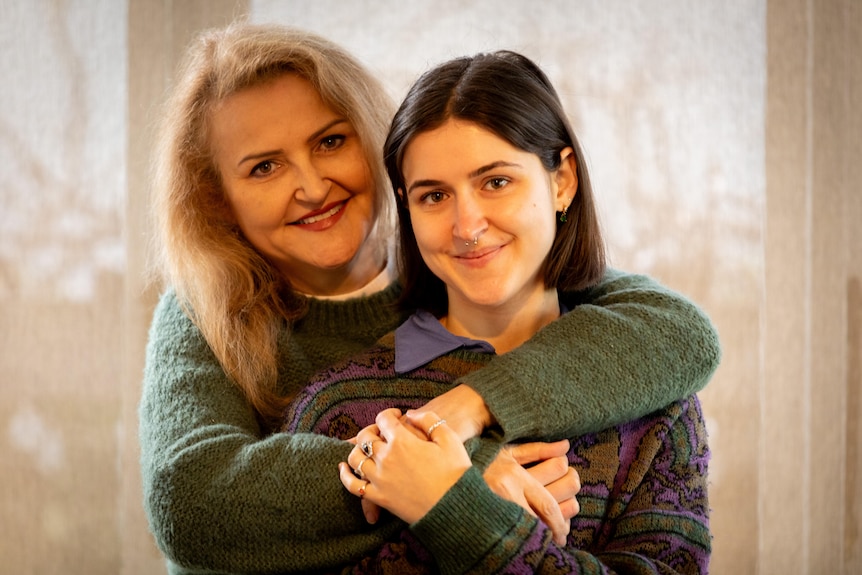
(627, 347)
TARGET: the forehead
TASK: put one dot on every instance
(456, 144)
(283, 111)
(287, 91)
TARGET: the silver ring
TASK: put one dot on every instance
(367, 447)
(434, 426)
(358, 470)
(476, 241)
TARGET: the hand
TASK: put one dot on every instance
(406, 474)
(546, 490)
(463, 409)
(370, 510)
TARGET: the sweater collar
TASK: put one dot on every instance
(360, 313)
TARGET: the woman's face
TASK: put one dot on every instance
(298, 184)
(464, 182)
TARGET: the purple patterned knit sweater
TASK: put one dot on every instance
(644, 506)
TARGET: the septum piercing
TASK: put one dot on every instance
(475, 242)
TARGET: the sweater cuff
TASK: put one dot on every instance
(466, 524)
(483, 451)
(506, 401)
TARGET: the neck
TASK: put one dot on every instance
(350, 277)
(504, 326)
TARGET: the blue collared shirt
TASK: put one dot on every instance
(422, 339)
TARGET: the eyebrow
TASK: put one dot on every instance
(475, 173)
(311, 138)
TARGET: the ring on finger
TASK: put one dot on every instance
(358, 470)
(361, 491)
(367, 447)
(434, 426)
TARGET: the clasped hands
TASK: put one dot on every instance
(398, 465)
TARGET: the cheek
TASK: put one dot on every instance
(429, 236)
(254, 211)
(353, 173)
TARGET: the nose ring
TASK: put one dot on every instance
(475, 242)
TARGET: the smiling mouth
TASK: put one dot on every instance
(320, 216)
(476, 254)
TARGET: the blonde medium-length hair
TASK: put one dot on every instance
(236, 297)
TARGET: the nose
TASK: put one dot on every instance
(311, 186)
(470, 220)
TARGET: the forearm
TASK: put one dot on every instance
(628, 347)
(507, 539)
(655, 508)
(221, 496)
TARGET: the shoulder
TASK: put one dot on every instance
(616, 282)
(169, 311)
(172, 330)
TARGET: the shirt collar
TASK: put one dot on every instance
(422, 339)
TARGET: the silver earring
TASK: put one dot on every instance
(563, 215)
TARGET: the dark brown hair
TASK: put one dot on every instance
(508, 94)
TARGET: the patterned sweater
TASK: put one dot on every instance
(223, 495)
(643, 500)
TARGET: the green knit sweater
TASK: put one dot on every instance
(224, 496)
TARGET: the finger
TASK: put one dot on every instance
(354, 457)
(525, 453)
(436, 429)
(550, 470)
(367, 447)
(388, 423)
(353, 484)
(546, 508)
(359, 488)
(569, 508)
(405, 421)
(363, 467)
(370, 510)
(566, 487)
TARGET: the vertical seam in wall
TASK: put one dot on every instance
(764, 324)
(807, 304)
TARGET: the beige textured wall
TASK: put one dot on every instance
(723, 139)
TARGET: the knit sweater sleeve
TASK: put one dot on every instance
(220, 495)
(628, 347)
(653, 520)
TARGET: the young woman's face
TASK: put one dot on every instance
(463, 182)
(298, 184)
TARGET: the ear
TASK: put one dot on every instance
(565, 179)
